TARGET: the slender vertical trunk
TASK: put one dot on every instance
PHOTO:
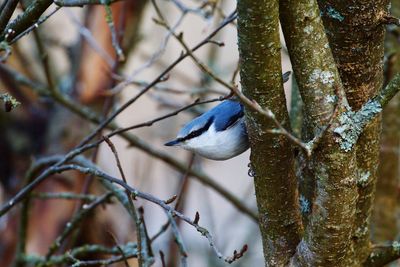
(271, 155)
(326, 241)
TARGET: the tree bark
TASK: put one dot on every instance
(356, 37)
(326, 241)
(271, 155)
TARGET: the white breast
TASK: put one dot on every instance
(220, 145)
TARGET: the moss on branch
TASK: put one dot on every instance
(10, 102)
(382, 255)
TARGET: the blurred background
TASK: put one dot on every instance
(102, 57)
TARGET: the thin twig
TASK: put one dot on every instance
(114, 38)
(34, 26)
(90, 39)
(129, 249)
(162, 259)
(390, 19)
(107, 262)
(148, 257)
(102, 175)
(178, 240)
(6, 13)
(171, 114)
(131, 204)
(154, 58)
(178, 200)
(81, 3)
(75, 220)
(46, 64)
(64, 195)
(24, 21)
(119, 249)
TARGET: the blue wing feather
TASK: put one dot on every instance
(223, 115)
(229, 112)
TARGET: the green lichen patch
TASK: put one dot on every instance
(10, 102)
(305, 206)
(322, 76)
(364, 178)
(352, 124)
(334, 14)
(361, 231)
(396, 246)
(331, 99)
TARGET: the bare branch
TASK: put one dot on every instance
(102, 175)
(129, 249)
(139, 226)
(114, 38)
(383, 254)
(178, 240)
(26, 19)
(81, 3)
(120, 249)
(73, 223)
(6, 13)
(64, 195)
(34, 26)
(390, 19)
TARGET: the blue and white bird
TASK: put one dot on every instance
(218, 134)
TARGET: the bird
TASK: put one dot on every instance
(218, 134)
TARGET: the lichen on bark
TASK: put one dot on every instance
(327, 239)
(357, 45)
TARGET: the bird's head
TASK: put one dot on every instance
(192, 132)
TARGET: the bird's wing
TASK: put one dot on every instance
(198, 124)
(199, 127)
(226, 114)
(223, 116)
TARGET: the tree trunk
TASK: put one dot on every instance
(326, 241)
(271, 155)
(356, 37)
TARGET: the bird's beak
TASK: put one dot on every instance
(172, 143)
